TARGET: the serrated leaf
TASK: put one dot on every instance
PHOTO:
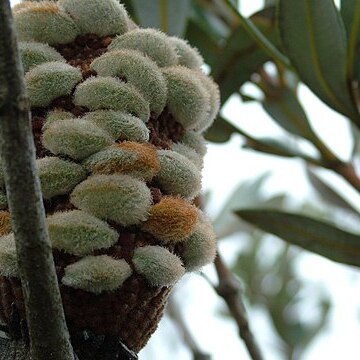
(241, 56)
(329, 194)
(149, 14)
(287, 111)
(312, 33)
(350, 12)
(311, 234)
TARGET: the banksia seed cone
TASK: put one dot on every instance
(117, 117)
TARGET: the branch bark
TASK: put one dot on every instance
(49, 338)
(230, 290)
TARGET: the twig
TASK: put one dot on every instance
(230, 290)
(174, 312)
(49, 338)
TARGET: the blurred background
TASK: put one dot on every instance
(301, 306)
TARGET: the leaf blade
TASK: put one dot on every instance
(311, 234)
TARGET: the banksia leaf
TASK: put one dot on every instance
(58, 176)
(108, 93)
(97, 274)
(44, 22)
(119, 125)
(120, 198)
(34, 53)
(178, 175)
(158, 265)
(171, 220)
(5, 223)
(200, 247)
(8, 259)
(97, 16)
(76, 138)
(138, 160)
(50, 80)
(137, 70)
(188, 100)
(188, 56)
(151, 43)
(79, 233)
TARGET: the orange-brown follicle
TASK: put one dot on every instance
(172, 220)
(45, 6)
(5, 223)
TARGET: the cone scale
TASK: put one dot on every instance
(118, 114)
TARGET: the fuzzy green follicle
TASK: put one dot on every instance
(188, 56)
(109, 93)
(48, 81)
(97, 16)
(139, 71)
(44, 22)
(8, 259)
(120, 198)
(97, 274)
(33, 53)
(79, 233)
(58, 176)
(178, 175)
(119, 125)
(158, 265)
(200, 247)
(152, 43)
(76, 138)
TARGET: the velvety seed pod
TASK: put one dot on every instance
(178, 175)
(97, 16)
(108, 93)
(171, 220)
(188, 55)
(214, 93)
(3, 201)
(189, 153)
(139, 71)
(34, 53)
(188, 101)
(58, 176)
(120, 198)
(97, 274)
(150, 42)
(76, 138)
(79, 233)
(138, 160)
(196, 141)
(8, 259)
(200, 247)
(119, 125)
(48, 81)
(158, 265)
(5, 223)
(53, 116)
(44, 22)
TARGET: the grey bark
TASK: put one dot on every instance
(48, 334)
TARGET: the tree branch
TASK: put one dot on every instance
(230, 290)
(174, 312)
(49, 338)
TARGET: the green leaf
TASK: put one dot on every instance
(287, 111)
(350, 12)
(329, 194)
(220, 131)
(149, 14)
(312, 33)
(313, 235)
(241, 56)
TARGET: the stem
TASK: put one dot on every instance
(176, 315)
(259, 38)
(348, 172)
(49, 338)
(230, 290)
